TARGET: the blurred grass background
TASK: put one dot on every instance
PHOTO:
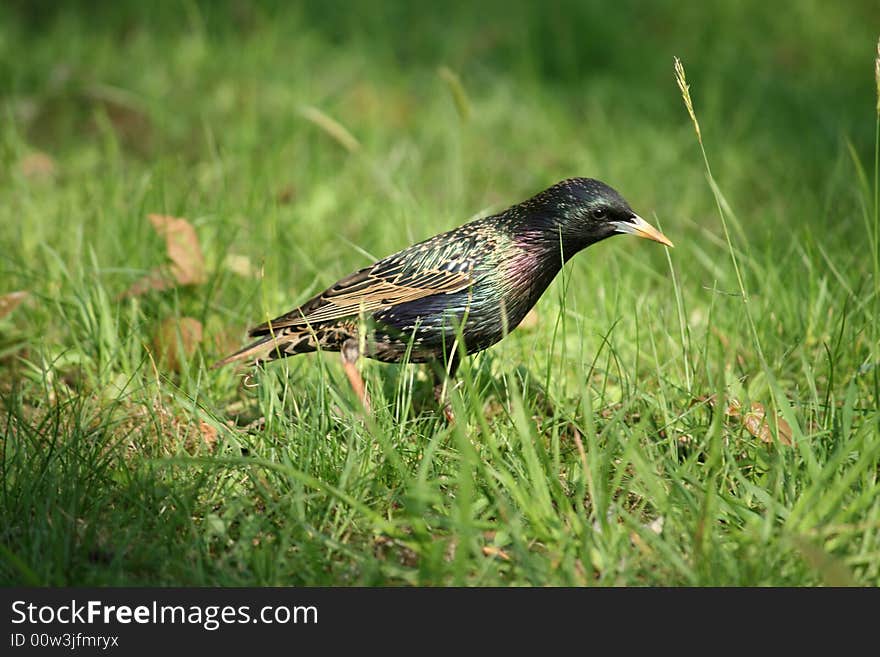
(302, 139)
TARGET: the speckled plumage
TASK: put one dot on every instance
(487, 274)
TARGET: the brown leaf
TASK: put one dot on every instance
(184, 251)
(756, 423)
(785, 432)
(209, 434)
(10, 301)
(177, 340)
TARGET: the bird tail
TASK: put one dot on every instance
(270, 347)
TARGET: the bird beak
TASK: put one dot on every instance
(641, 228)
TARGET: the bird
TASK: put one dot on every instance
(472, 284)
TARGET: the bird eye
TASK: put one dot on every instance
(599, 213)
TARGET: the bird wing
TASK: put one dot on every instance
(389, 282)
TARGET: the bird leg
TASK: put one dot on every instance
(350, 352)
(442, 379)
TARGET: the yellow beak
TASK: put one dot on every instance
(641, 228)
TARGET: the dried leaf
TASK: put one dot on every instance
(184, 251)
(756, 423)
(183, 248)
(177, 340)
(209, 434)
(785, 432)
(10, 301)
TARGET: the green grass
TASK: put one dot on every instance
(592, 447)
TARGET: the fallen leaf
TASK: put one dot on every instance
(209, 434)
(755, 422)
(10, 301)
(183, 249)
(177, 340)
(785, 432)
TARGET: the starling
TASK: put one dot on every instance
(477, 281)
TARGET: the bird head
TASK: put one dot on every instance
(587, 211)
